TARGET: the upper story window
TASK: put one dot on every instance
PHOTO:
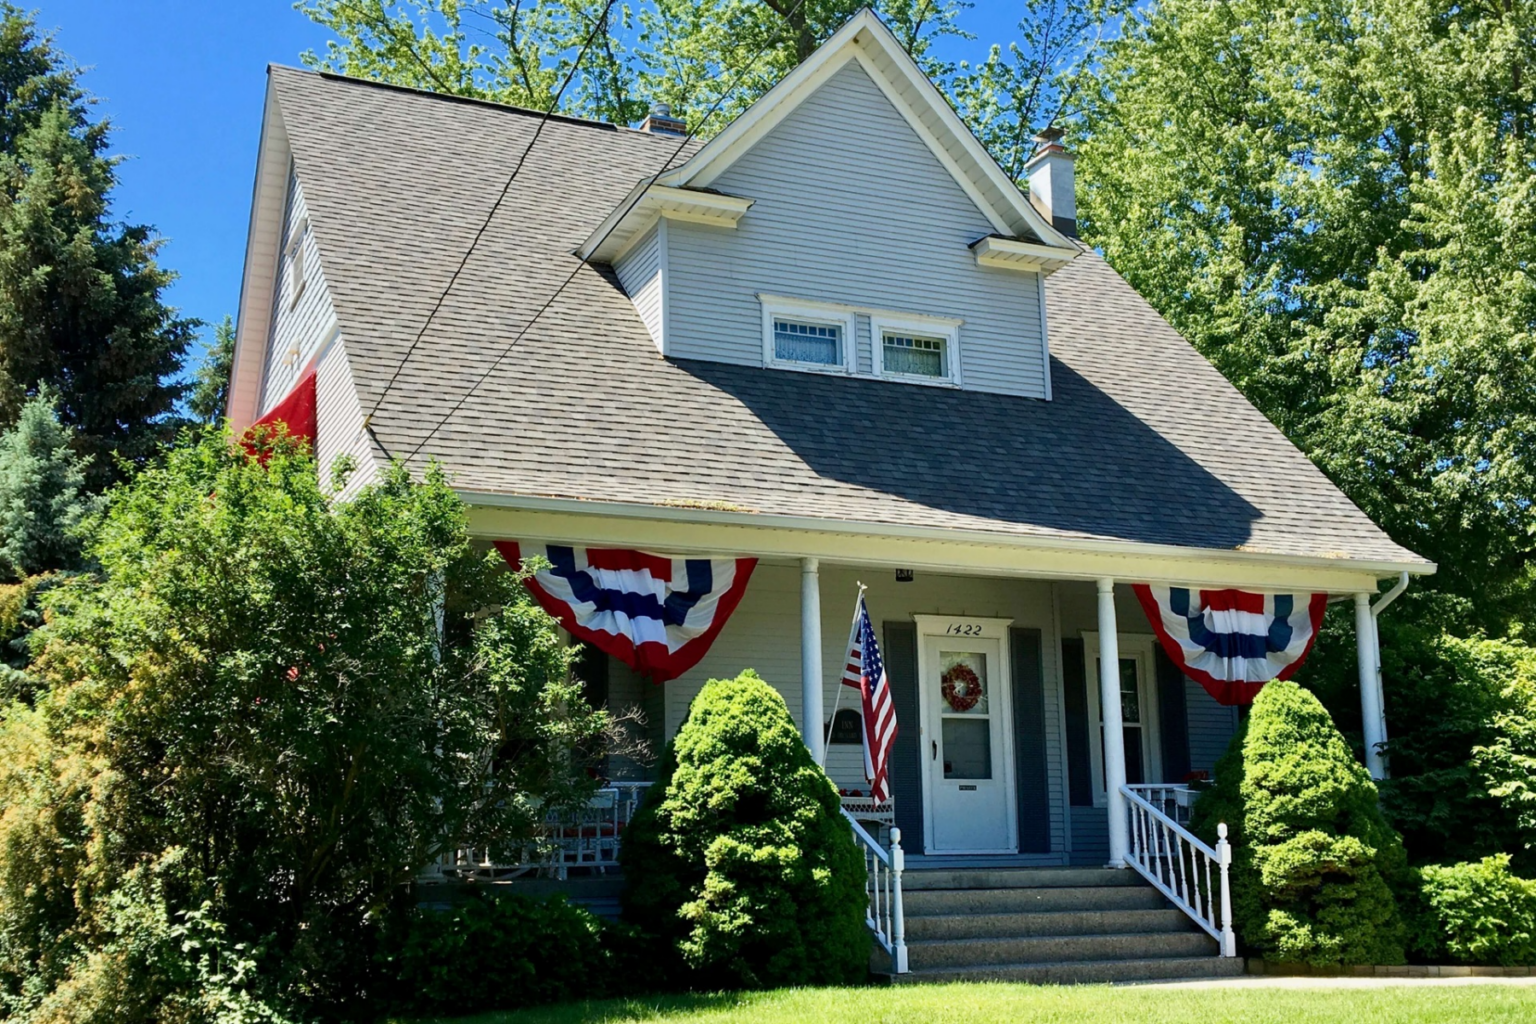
(797, 341)
(296, 276)
(807, 335)
(919, 349)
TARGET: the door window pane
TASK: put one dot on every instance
(967, 748)
(963, 683)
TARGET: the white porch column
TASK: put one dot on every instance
(1372, 715)
(1114, 727)
(810, 659)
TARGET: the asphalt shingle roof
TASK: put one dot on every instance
(1143, 441)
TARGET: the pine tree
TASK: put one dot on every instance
(210, 393)
(42, 493)
(81, 308)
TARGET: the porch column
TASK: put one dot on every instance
(1114, 727)
(1372, 716)
(810, 659)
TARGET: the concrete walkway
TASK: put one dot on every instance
(1271, 981)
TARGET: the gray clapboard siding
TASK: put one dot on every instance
(640, 272)
(339, 426)
(298, 328)
(1211, 726)
(850, 207)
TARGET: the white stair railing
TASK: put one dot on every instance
(882, 884)
(1179, 866)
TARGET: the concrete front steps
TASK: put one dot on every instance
(1048, 926)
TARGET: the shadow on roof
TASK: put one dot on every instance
(1080, 463)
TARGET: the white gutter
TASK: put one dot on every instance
(704, 516)
(1390, 596)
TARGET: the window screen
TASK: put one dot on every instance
(800, 342)
(915, 355)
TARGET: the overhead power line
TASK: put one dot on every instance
(585, 261)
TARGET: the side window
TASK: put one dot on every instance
(923, 350)
(802, 335)
(297, 278)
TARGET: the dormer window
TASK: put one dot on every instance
(923, 350)
(798, 341)
(803, 335)
(295, 258)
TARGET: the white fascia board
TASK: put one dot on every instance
(1012, 254)
(269, 196)
(649, 201)
(1132, 560)
(866, 38)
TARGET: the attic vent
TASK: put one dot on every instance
(661, 122)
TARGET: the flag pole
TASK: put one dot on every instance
(837, 698)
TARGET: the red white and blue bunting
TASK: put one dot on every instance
(656, 613)
(1230, 641)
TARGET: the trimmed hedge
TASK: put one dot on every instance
(1475, 913)
(1314, 861)
(740, 861)
(506, 952)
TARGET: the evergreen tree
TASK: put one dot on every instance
(80, 295)
(42, 499)
(210, 392)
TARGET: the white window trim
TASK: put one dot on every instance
(1132, 645)
(908, 323)
(824, 313)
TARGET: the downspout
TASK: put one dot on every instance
(1375, 648)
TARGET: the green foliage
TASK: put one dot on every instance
(210, 392)
(1477, 913)
(42, 500)
(255, 684)
(1508, 761)
(1314, 862)
(1336, 209)
(80, 295)
(740, 860)
(543, 951)
(681, 52)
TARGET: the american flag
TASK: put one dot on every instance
(864, 670)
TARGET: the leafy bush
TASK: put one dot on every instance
(740, 860)
(255, 684)
(1314, 861)
(1476, 913)
(1508, 761)
(536, 951)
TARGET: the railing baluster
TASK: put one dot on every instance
(1158, 838)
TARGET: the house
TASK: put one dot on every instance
(835, 339)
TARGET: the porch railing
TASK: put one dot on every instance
(882, 884)
(586, 838)
(1178, 864)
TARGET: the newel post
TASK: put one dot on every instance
(898, 913)
(1224, 855)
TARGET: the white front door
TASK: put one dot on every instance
(967, 735)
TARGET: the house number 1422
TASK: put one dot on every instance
(963, 629)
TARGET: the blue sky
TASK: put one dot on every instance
(183, 80)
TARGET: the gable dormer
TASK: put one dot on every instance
(847, 223)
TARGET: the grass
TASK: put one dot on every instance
(999, 1003)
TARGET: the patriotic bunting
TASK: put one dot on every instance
(656, 613)
(1230, 641)
(297, 411)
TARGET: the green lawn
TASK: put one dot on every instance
(996, 1004)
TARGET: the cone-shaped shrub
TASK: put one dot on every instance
(740, 861)
(1314, 861)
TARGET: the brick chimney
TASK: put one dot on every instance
(661, 122)
(1052, 188)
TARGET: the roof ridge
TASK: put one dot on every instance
(509, 108)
